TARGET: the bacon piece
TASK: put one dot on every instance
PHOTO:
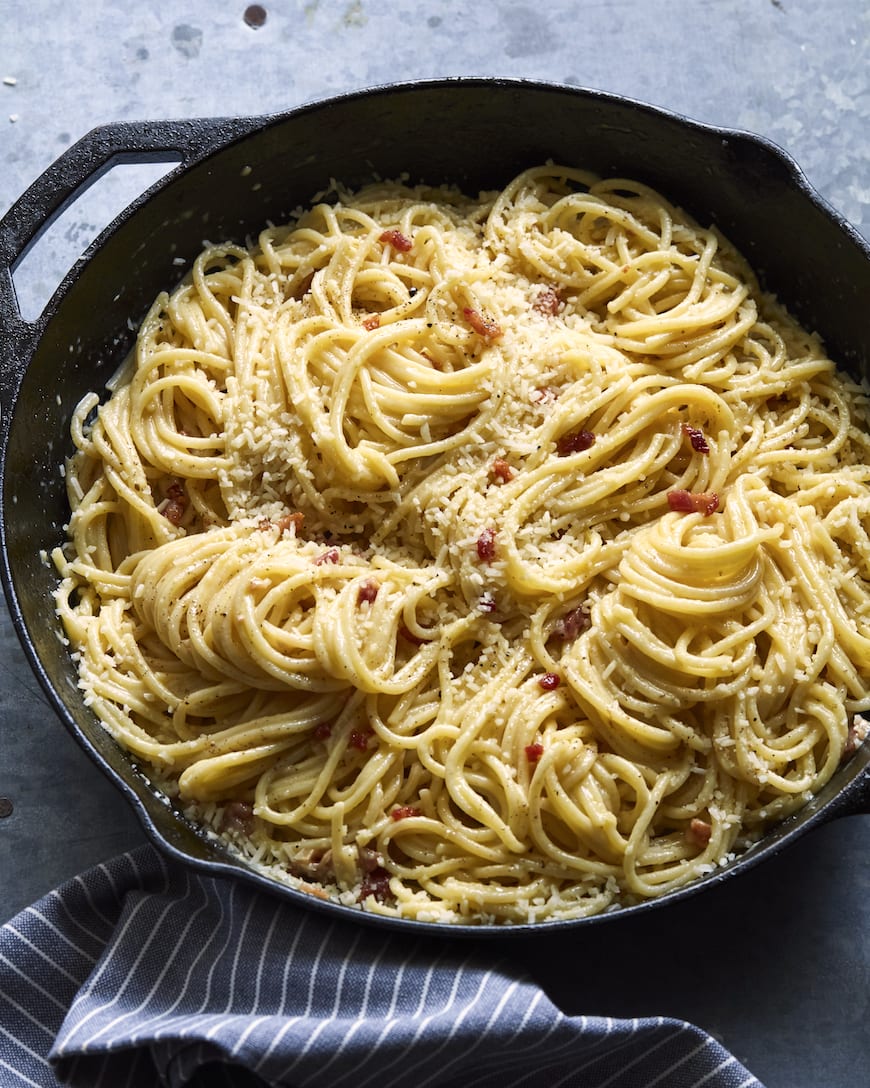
(404, 811)
(548, 302)
(397, 240)
(288, 521)
(377, 884)
(483, 326)
(549, 681)
(486, 545)
(534, 752)
(501, 471)
(331, 555)
(238, 816)
(372, 323)
(693, 502)
(573, 623)
(285, 522)
(699, 832)
(173, 511)
(575, 442)
(697, 439)
(359, 739)
(178, 502)
(367, 591)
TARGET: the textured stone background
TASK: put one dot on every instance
(777, 964)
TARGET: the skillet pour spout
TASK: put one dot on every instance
(234, 175)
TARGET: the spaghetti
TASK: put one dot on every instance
(476, 560)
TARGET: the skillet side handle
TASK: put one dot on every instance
(185, 141)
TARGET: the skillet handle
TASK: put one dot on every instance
(185, 141)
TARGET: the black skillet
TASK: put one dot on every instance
(233, 176)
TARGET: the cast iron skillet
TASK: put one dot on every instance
(233, 175)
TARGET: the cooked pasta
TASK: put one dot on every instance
(488, 560)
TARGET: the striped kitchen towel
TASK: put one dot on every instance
(143, 973)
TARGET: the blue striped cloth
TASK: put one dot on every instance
(142, 973)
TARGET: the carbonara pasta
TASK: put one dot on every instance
(476, 560)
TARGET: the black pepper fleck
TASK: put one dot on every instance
(255, 15)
